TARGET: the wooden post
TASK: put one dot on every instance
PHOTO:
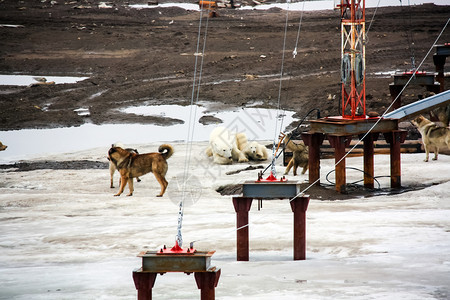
(299, 206)
(207, 282)
(439, 62)
(339, 143)
(144, 282)
(313, 141)
(369, 159)
(395, 91)
(242, 206)
(395, 138)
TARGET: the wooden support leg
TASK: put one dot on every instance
(313, 141)
(395, 91)
(369, 159)
(242, 206)
(144, 282)
(395, 138)
(339, 143)
(207, 282)
(439, 62)
(299, 206)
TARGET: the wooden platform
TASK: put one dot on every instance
(381, 147)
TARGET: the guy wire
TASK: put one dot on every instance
(281, 72)
(191, 124)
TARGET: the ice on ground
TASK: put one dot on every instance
(64, 235)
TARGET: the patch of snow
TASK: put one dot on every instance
(65, 236)
(25, 80)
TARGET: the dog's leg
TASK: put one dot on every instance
(123, 183)
(305, 168)
(162, 182)
(289, 166)
(112, 168)
(138, 179)
(295, 168)
(436, 152)
(130, 186)
(427, 153)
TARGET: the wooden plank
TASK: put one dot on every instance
(380, 147)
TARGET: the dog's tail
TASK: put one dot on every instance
(168, 150)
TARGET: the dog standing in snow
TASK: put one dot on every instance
(433, 136)
(300, 156)
(112, 166)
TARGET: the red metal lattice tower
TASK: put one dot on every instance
(353, 75)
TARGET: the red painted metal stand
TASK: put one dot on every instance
(176, 259)
(144, 283)
(242, 207)
(206, 282)
(299, 206)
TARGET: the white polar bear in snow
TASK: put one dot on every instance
(255, 151)
(224, 146)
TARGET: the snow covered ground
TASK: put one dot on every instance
(64, 235)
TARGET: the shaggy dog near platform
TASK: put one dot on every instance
(2, 147)
(131, 165)
(112, 167)
(300, 157)
(434, 137)
(224, 146)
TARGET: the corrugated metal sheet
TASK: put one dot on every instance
(418, 107)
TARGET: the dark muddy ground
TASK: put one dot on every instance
(145, 57)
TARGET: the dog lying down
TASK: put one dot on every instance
(131, 165)
(434, 137)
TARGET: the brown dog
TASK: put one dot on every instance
(433, 136)
(300, 157)
(131, 165)
(112, 166)
(2, 147)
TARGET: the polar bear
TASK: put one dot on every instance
(241, 140)
(223, 146)
(255, 151)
